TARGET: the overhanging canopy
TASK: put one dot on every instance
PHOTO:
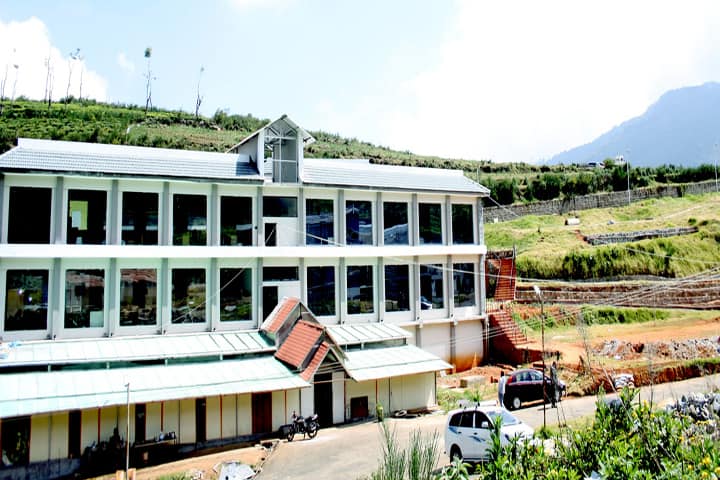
(375, 363)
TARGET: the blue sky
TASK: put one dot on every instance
(507, 81)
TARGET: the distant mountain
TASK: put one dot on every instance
(681, 128)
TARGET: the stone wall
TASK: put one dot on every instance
(596, 200)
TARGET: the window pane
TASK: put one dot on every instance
(29, 203)
(140, 218)
(280, 274)
(432, 291)
(235, 294)
(189, 220)
(358, 223)
(360, 289)
(138, 296)
(396, 288)
(279, 207)
(26, 299)
(430, 223)
(188, 295)
(464, 281)
(321, 290)
(84, 298)
(86, 216)
(319, 220)
(395, 223)
(236, 224)
(462, 224)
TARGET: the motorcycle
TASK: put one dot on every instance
(306, 425)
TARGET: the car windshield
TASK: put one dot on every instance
(507, 418)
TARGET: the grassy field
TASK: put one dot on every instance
(547, 248)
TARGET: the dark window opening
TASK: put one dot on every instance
(188, 295)
(360, 294)
(235, 294)
(26, 300)
(270, 300)
(271, 234)
(319, 222)
(236, 223)
(462, 223)
(140, 218)
(464, 283)
(279, 207)
(358, 223)
(140, 422)
(29, 215)
(430, 223)
(138, 296)
(200, 420)
(15, 440)
(432, 292)
(189, 219)
(397, 288)
(86, 216)
(84, 298)
(280, 274)
(395, 223)
(321, 290)
(74, 429)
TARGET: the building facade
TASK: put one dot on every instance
(121, 264)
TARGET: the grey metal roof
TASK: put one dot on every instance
(44, 392)
(363, 174)
(354, 334)
(95, 158)
(117, 349)
(282, 124)
(374, 363)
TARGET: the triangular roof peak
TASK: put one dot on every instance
(278, 128)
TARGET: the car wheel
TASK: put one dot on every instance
(515, 403)
(455, 453)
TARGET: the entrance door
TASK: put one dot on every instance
(261, 413)
(270, 300)
(74, 428)
(323, 399)
(140, 422)
(200, 420)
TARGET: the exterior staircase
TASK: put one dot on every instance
(505, 288)
(504, 328)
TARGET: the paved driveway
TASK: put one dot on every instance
(353, 451)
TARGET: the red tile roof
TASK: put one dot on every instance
(287, 306)
(300, 343)
(317, 359)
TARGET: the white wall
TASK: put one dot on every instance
(338, 393)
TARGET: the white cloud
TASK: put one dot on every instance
(125, 63)
(523, 80)
(27, 45)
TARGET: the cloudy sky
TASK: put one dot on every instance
(501, 80)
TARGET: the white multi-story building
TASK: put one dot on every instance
(153, 278)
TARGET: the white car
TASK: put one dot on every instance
(468, 431)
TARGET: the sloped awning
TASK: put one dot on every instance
(363, 333)
(376, 363)
(44, 392)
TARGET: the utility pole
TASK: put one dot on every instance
(542, 339)
(127, 434)
(716, 175)
(627, 168)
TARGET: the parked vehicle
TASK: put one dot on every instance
(306, 425)
(526, 385)
(468, 431)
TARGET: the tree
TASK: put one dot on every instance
(72, 58)
(149, 78)
(198, 99)
(48, 80)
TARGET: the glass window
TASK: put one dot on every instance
(467, 419)
(395, 223)
(26, 300)
(279, 207)
(236, 221)
(397, 290)
(140, 218)
(189, 220)
(29, 215)
(138, 296)
(432, 291)
(464, 281)
(188, 295)
(86, 216)
(358, 223)
(430, 222)
(84, 298)
(235, 294)
(280, 274)
(319, 221)
(321, 290)
(15, 440)
(462, 223)
(360, 295)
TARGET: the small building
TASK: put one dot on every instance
(214, 294)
